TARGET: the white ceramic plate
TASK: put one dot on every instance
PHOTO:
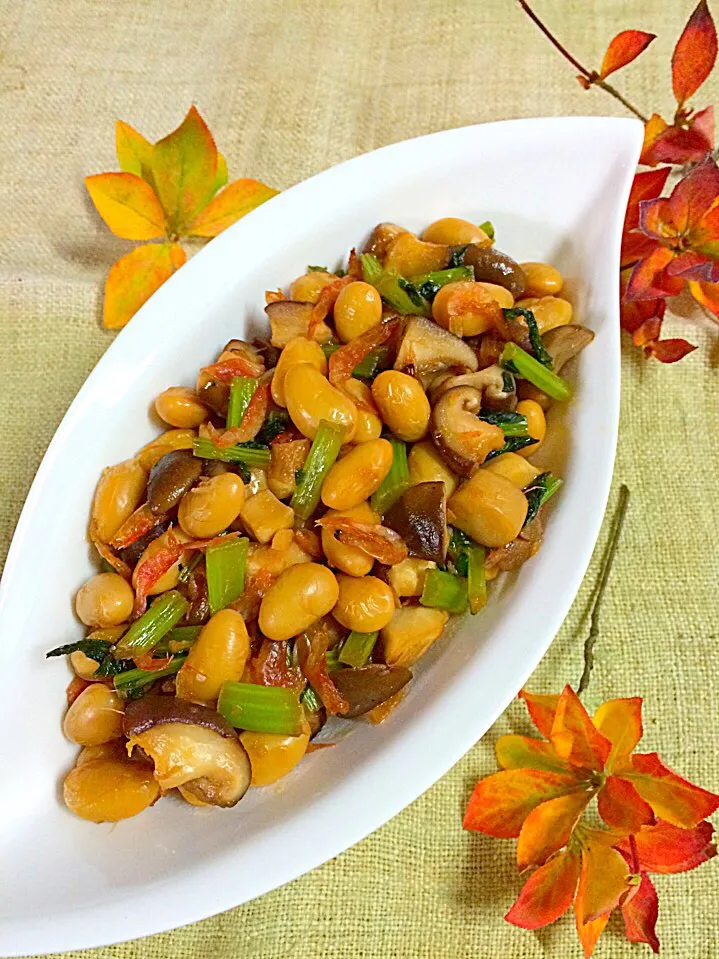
(556, 190)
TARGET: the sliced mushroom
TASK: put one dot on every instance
(214, 395)
(462, 439)
(248, 351)
(562, 343)
(428, 349)
(191, 746)
(492, 266)
(170, 478)
(368, 686)
(490, 382)
(291, 318)
(420, 518)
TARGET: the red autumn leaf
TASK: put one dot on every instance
(604, 880)
(621, 807)
(184, 169)
(128, 205)
(707, 295)
(695, 53)
(645, 186)
(522, 752)
(624, 48)
(135, 277)
(676, 219)
(583, 82)
(501, 802)
(653, 129)
(648, 332)
(574, 735)
(620, 720)
(664, 848)
(541, 709)
(548, 828)
(589, 932)
(677, 145)
(547, 894)
(640, 913)
(234, 202)
(636, 313)
(671, 797)
(671, 350)
(648, 280)
(695, 266)
(703, 122)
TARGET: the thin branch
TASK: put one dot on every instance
(606, 568)
(591, 75)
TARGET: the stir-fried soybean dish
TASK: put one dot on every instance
(320, 505)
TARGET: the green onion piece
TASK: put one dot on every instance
(488, 228)
(252, 454)
(128, 683)
(225, 564)
(310, 700)
(147, 631)
(526, 366)
(323, 452)
(178, 640)
(332, 660)
(395, 482)
(263, 709)
(512, 424)
(241, 392)
(317, 269)
(476, 579)
(186, 570)
(393, 288)
(444, 591)
(373, 364)
(539, 491)
(458, 550)
(329, 348)
(357, 648)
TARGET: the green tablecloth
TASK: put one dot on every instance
(289, 88)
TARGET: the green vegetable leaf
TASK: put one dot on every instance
(457, 257)
(511, 445)
(539, 491)
(96, 649)
(538, 347)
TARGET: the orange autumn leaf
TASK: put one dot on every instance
(128, 205)
(574, 736)
(134, 152)
(500, 803)
(665, 849)
(184, 169)
(547, 894)
(135, 277)
(624, 48)
(604, 879)
(541, 709)
(670, 350)
(620, 721)
(672, 797)
(621, 807)
(234, 202)
(521, 752)
(589, 932)
(640, 913)
(707, 295)
(548, 828)
(695, 53)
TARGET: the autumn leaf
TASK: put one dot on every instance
(222, 175)
(620, 721)
(234, 202)
(640, 913)
(574, 735)
(134, 152)
(548, 828)
(645, 186)
(695, 53)
(707, 295)
(672, 797)
(624, 48)
(184, 169)
(135, 277)
(128, 205)
(603, 881)
(519, 752)
(547, 894)
(621, 807)
(589, 932)
(541, 709)
(500, 803)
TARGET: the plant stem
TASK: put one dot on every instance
(606, 568)
(589, 75)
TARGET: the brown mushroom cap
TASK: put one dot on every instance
(461, 438)
(142, 714)
(427, 349)
(368, 686)
(170, 478)
(493, 266)
(420, 518)
(288, 319)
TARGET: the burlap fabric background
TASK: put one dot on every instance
(288, 89)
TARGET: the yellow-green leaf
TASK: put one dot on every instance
(128, 205)
(236, 200)
(135, 277)
(184, 169)
(134, 152)
(222, 174)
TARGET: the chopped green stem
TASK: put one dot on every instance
(524, 365)
(323, 453)
(512, 424)
(394, 289)
(395, 482)
(488, 228)
(262, 709)
(310, 700)
(539, 491)
(332, 660)
(225, 565)
(444, 591)
(357, 648)
(178, 640)
(535, 337)
(241, 392)
(476, 579)
(329, 348)
(130, 682)
(247, 453)
(147, 631)
(373, 364)
(186, 570)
